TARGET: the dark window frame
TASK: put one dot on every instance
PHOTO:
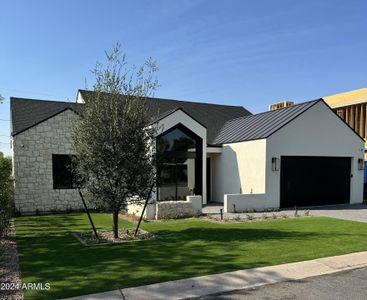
(63, 177)
(198, 188)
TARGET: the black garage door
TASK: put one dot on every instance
(311, 181)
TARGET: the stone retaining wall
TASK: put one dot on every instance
(174, 209)
(192, 206)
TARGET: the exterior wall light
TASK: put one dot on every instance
(275, 164)
(360, 164)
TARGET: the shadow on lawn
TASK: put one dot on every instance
(50, 223)
(223, 235)
(56, 224)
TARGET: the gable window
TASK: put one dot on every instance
(62, 173)
(179, 160)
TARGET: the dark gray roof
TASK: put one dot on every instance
(261, 125)
(212, 116)
(26, 113)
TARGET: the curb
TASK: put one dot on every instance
(230, 281)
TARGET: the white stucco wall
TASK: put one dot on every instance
(317, 132)
(242, 202)
(32, 160)
(181, 117)
(239, 169)
(79, 98)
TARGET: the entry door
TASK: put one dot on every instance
(313, 181)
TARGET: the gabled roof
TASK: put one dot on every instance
(26, 113)
(261, 125)
(212, 116)
(172, 111)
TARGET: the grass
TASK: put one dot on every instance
(186, 248)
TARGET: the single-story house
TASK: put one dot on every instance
(303, 155)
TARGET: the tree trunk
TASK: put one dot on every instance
(116, 224)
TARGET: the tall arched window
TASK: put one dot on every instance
(179, 164)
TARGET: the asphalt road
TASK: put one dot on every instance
(346, 285)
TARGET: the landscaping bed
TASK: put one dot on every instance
(88, 238)
(253, 215)
(9, 267)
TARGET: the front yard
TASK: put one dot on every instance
(185, 248)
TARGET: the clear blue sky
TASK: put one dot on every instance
(243, 52)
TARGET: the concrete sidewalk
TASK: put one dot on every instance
(225, 282)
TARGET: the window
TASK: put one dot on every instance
(179, 159)
(172, 174)
(62, 173)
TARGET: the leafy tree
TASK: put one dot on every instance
(6, 193)
(114, 138)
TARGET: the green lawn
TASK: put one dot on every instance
(186, 248)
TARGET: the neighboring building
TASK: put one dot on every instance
(281, 104)
(299, 155)
(352, 107)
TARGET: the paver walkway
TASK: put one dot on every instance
(211, 284)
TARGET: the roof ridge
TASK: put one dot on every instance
(176, 100)
(271, 111)
(42, 100)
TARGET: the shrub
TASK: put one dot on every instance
(296, 212)
(249, 217)
(265, 216)
(6, 193)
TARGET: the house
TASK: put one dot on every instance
(300, 155)
(351, 106)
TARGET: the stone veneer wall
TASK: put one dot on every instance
(179, 209)
(32, 165)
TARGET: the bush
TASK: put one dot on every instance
(6, 193)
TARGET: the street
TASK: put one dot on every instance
(351, 284)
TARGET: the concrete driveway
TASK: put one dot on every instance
(355, 212)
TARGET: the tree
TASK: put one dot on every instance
(114, 138)
(6, 193)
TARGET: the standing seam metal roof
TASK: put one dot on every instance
(261, 125)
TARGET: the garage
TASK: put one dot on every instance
(313, 181)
